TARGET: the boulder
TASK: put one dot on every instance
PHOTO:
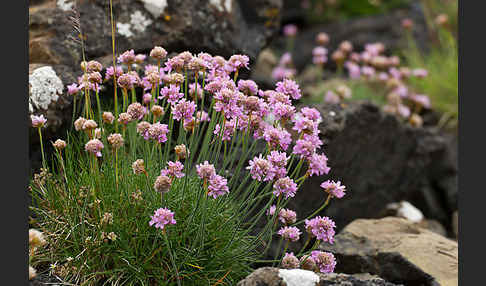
(380, 160)
(222, 27)
(269, 276)
(396, 250)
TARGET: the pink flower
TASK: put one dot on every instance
(110, 71)
(94, 146)
(278, 161)
(319, 55)
(158, 132)
(322, 228)
(289, 261)
(147, 98)
(290, 30)
(354, 70)
(162, 217)
(259, 168)
(421, 99)
(136, 110)
(331, 97)
(128, 57)
(305, 124)
(72, 89)
(285, 186)
(236, 62)
(38, 121)
(311, 113)
(174, 169)
(248, 87)
(420, 73)
(283, 111)
(318, 165)
(280, 72)
(277, 137)
(290, 233)
(205, 170)
(228, 131)
(287, 216)
(218, 186)
(324, 260)
(183, 109)
(171, 93)
(226, 100)
(334, 189)
(196, 87)
(126, 81)
(271, 210)
(307, 146)
(289, 87)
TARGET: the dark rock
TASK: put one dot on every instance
(380, 160)
(455, 224)
(397, 250)
(385, 28)
(217, 27)
(268, 276)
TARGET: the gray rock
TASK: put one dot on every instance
(455, 224)
(269, 276)
(396, 250)
(380, 160)
(217, 27)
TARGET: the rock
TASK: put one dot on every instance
(385, 28)
(396, 250)
(406, 210)
(215, 26)
(262, 71)
(433, 226)
(269, 276)
(380, 160)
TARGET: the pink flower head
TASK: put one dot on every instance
(228, 131)
(128, 57)
(280, 72)
(38, 121)
(420, 73)
(305, 148)
(183, 109)
(271, 210)
(290, 233)
(73, 89)
(318, 165)
(287, 216)
(248, 87)
(110, 71)
(94, 146)
(289, 87)
(277, 137)
(174, 169)
(305, 125)
(218, 186)
(403, 111)
(421, 99)
(162, 217)
(334, 189)
(319, 55)
(401, 90)
(285, 186)
(126, 81)
(172, 93)
(202, 116)
(205, 170)
(331, 97)
(285, 59)
(158, 132)
(259, 168)
(174, 64)
(289, 261)
(140, 58)
(368, 71)
(236, 62)
(226, 101)
(311, 113)
(136, 110)
(147, 98)
(283, 111)
(196, 87)
(322, 228)
(354, 70)
(274, 97)
(278, 161)
(290, 30)
(324, 260)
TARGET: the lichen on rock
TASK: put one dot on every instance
(45, 87)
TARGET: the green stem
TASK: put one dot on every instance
(42, 149)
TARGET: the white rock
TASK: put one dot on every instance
(65, 5)
(298, 277)
(139, 22)
(45, 87)
(406, 210)
(155, 7)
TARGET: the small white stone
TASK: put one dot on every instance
(332, 113)
(155, 7)
(222, 5)
(65, 5)
(406, 210)
(298, 277)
